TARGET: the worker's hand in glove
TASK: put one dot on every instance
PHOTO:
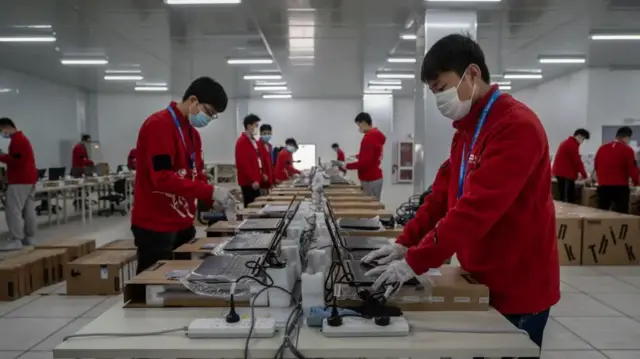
(386, 254)
(339, 163)
(223, 196)
(394, 274)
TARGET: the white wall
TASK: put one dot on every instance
(47, 113)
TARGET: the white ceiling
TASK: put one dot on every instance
(349, 39)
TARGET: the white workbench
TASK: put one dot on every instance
(310, 342)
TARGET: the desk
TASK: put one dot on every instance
(166, 346)
(194, 249)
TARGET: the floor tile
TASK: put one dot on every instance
(57, 306)
(557, 337)
(23, 333)
(37, 355)
(617, 271)
(10, 354)
(565, 288)
(53, 341)
(103, 307)
(574, 271)
(606, 333)
(622, 354)
(633, 280)
(600, 284)
(580, 354)
(582, 305)
(6, 307)
(628, 304)
(52, 289)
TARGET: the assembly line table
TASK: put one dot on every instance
(310, 341)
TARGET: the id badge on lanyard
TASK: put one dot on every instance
(464, 161)
(192, 155)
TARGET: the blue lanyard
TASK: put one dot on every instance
(464, 163)
(192, 157)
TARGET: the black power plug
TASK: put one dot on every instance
(334, 320)
(233, 316)
(382, 321)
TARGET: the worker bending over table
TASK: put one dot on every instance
(369, 156)
(615, 165)
(340, 157)
(251, 168)
(568, 166)
(170, 173)
(284, 163)
(491, 200)
(22, 176)
(80, 157)
(265, 149)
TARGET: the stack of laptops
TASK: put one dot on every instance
(260, 225)
(227, 268)
(359, 224)
(279, 211)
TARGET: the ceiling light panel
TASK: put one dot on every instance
(385, 82)
(276, 96)
(250, 61)
(84, 62)
(461, 1)
(123, 71)
(408, 36)
(270, 88)
(522, 76)
(151, 88)
(615, 37)
(562, 59)
(395, 75)
(402, 60)
(271, 83)
(27, 39)
(385, 87)
(152, 84)
(123, 77)
(263, 77)
(201, 2)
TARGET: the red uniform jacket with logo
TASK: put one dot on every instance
(341, 158)
(284, 166)
(166, 188)
(247, 156)
(267, 165)
(369, 156)
(80, 157)
(502, 228)
(21, 162)
(615, 165)
(567, 162)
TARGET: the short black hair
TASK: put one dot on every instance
(291, 141)
(6, 121)
(582, 132)
(364, 117)
(265, 127)
(209, 92)
(250, 119)
(335, 145)
(85, 137)
(624, 131)
(455, 53)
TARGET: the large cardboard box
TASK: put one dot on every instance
(75, 248)
(610, 238)
(53, 264)
(19, 276)
(120, 245)
(589, 197)
(569, 234)
(102, 272)
(452, 290)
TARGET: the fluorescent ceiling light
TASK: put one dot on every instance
(562, 59)
(502, 83)
(5, 90)
(386, 82)
(27, 38)
(385, 87)
(33, 26)
(151, 88)
(144, 84)
(395, 75)
(249, 61)
(525, 71)
(405, 60)
(448, 25)
(522, 76)
(301, 57)
(277, 96)
(201, 2)
(497, 76)
(462, 0)
(271, 83)
(123, 77)
(84, 61)
(270, 88)
(613, 37)
(130, 71)
(505, 88)
(408, 36)
(263, 77)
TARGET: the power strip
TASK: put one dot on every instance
(362, 327)
(219, 328)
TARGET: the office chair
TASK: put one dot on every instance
(115, 198)
(54, 174)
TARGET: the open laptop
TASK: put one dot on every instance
(261, 241)
(360, 224)
(360, 243)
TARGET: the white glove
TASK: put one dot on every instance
(386, 254)
(223, 196)
(394, 274)
(339, 163)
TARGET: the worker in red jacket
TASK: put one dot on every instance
(264, 145)
(22, 176)
(131, 159)
(615, 166)
(340, 157)
(568, 166)
(249, 162)
(169, 173)
(369, 156)
(284, 163)
(491, 200)
(80, 156)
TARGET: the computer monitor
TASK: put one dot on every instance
(56, 173)
(41, 173)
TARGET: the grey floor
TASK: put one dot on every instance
(597, 318)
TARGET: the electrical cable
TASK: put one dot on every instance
(124, 335)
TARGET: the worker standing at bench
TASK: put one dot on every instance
(80, 157)
(568, 166)
(340, 157)
(369, 157)
(250, 166)
(22, 177)
(170, 173)
(265, 149)
(491, 199)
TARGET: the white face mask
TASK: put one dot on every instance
(449, 102)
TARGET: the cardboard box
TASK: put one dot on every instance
(102, 272)
(569, 234)
(589, 197)
(152, 289)
(634, 204)
(53, 264)
(223, 229)
(452, 290)
(120, 245)
(75, 248)
(19, 276)
(611, 238)
(198, 248)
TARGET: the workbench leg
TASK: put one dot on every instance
(50, 206)
(82, 205)
(64, 205)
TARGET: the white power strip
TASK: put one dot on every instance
(362, 327)
(219, 328)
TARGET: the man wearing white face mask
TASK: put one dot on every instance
(169, 173)
(491, 200)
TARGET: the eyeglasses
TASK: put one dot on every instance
(210, 111)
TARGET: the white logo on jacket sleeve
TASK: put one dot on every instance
(179, 203)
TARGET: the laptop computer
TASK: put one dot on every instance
(280, 210)
(362, 224)
(227, 268)
(260, 225)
